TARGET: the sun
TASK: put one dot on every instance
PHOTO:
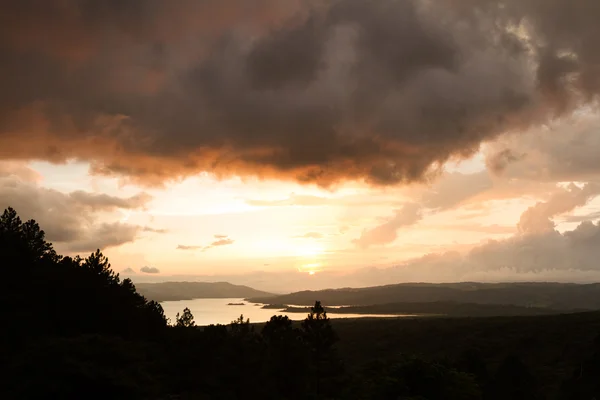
(311, 268)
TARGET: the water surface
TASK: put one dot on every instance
(217, 311)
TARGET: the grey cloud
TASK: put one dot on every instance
(549, 256)
(387, 232)
(154, 230)
(104, 235)
(565, 150)
(454, 188)
(150, 270)
(350, 89)
(582, 218)
(500, 160)
(101, 201)
(538, 218)
(65, 219)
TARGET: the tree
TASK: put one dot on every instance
(319, 336)
(277, 330)
(317, 330)
(186, 320)
(287, 360)
(23, 241)
(45, 290)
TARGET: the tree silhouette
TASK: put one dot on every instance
(45, 290)
(287, 359)
(240, 327)
(186, 320)
(319, 336)
(317, 330)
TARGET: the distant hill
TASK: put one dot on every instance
(437, 308)
(165, 291)
(555, 296)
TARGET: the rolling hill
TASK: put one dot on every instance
(555, 296)
(166, 291)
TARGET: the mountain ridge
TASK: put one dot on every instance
(525, 294)
(183, 290)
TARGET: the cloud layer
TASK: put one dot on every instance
(70, 219)
(304, 90)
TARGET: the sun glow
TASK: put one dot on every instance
(311, 268)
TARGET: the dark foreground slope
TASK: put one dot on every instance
(555, 296)
(550, 346)
(165, 291)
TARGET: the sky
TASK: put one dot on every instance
(308, 144)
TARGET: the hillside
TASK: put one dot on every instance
(555, 296)
(445, 308)
(166, 291)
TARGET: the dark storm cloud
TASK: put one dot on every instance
(352, 89)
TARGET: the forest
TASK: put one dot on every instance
(73, 329)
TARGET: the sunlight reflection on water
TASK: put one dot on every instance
(217, 311)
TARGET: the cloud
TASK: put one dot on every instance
(493, 229)
(499, 161)
(454, 188)
(564, 150)
(150, 270)
(128, 271)
(307, 91)
(101, 201)
(69, 221)
(309, 235)
(387, 232)
(221, 240)
(105, 235)
(582, 218)
(184, 247)
(19, 170)
(538, 218)
(154, 230)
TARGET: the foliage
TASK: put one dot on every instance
(186, 320)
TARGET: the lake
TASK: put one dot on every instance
(217, 311)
